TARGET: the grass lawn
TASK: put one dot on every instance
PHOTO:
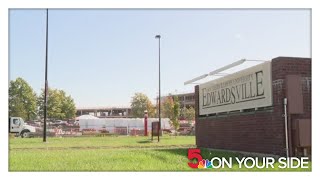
(111, 154)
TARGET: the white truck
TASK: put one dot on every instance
(17, 126)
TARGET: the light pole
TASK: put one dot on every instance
(145, 123)
(159, 126)
(46, 87)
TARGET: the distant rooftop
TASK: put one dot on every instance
(103, 107)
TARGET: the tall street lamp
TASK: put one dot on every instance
(46, 87)
(159, 126)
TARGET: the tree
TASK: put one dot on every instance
(69, 107)
(22, 99)
(139, 103)
(176, 113)
(60, 106)
(171, 109)
(167, 107)
(189, 114)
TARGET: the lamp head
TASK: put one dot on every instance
(158, 36)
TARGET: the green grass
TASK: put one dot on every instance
(111, 154)
(100, 142)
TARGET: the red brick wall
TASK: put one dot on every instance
(257, 131)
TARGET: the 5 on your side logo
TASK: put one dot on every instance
(248, 162)
(194, 154)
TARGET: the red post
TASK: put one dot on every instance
(145, 123)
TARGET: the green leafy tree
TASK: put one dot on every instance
(22, 99)
(139, 103)
(176, 113)
(167, 107)
(189, 114)
(171, 109)
(60, 106)
(69, 107)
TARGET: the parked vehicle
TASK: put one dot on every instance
(76, 122)
(32, 123)
(59, 123)
(17, 126)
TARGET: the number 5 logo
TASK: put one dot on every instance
(194, 154)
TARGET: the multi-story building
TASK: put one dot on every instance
(186, 100)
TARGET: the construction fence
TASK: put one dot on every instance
(107, 126)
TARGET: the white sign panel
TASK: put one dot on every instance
(249, 88)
